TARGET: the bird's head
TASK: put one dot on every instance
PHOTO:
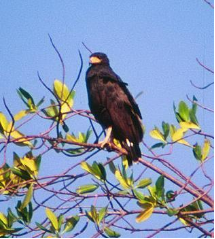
(99, 58)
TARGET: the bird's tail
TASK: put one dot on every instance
(133, 150)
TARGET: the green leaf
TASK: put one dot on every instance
(71, 223)
(144, 183)
(60, 221)
(158, 145)
(102, 171)
(193, 118)
(143, 216)
(21, 173)
(170, 195)
(28, 197)
(156, 134)
(88, 188)
(24, 94)
(11, 217)
(112, 167)
(102, 214)
(166, 129)
(172, 211)
(183, 111)
(197, 151)
(40, 102)
(205, 149)
(139, 195)
(111, 233)
(53, 219)
(160, 186)
(94, 214)
(42, 227)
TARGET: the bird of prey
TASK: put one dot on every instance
(113, 106)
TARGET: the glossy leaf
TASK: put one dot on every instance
(88, 188)
(53, 219)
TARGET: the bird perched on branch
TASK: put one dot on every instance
(113, 106)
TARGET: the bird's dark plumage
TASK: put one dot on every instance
(113, 105)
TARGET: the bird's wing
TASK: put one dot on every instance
(109, 74)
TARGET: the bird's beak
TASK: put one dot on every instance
(95, 60)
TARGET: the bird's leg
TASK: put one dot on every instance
(107, 137)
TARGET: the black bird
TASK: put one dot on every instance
(113, 106)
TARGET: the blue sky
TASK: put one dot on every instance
(152, 45)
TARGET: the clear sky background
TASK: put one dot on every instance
(152, 45)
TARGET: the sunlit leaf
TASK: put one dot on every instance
(3, 218)
(3, 123)
(61, 90)
(184, 221)
(28, 197)
(156, 134)
(205, 149)
(178, 137)
(125, 162)
(121, 180)
(188, 125)
(88, 188)
(160, 186)
(144, 183)
(53, 219)
(20, 115)
(143, 216)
